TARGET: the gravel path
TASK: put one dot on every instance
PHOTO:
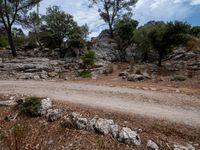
(162, 105)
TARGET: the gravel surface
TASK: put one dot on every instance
(177, 107)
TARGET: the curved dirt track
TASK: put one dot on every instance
(175, 107)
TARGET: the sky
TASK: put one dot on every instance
(144, 11)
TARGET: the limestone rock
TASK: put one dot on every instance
(152, 145)
(181, 147)
(114, 130)
(54, 114)
(81, 123)
(127, 136)
(103, 126)
(45, 105)
(8, 103)
(135, 77)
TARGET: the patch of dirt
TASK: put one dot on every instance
(37, 133)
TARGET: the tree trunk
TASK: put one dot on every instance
(60, 49)
(11, 43)
(160, 59)
(111, 30)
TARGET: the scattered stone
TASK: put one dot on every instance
(181, 147)
(8, 103)
(152, 145)
(67, 122)
(81, 123)
(129, 137)
(91, 123)
(135, 77)
(103, 126)
(123, 74)
(45, 105)
(54, 114)
(36, 77)
(74, 116)
(114, 130)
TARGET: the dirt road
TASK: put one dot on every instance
(163, 105)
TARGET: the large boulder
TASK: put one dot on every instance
(128, 136)
(106, 48)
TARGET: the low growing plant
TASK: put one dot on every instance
(31, 106)
(178, 78)
(85, 74)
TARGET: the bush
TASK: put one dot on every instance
(3, 41)
(88, 58)
(85, 74)
(178, 78)
(31, 106)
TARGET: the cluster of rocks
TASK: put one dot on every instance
(181, 58)
(37, 68)
(134, 75)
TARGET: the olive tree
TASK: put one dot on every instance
(11, 12)
(111, 10)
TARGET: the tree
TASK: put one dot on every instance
(12, 11)
(123, 30)
(195, 31)
(141, 37)
(58, 25)
(164, 36)
(34, 22)
(111, 10)
(158, 40)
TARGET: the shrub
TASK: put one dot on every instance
(178, 78)
(88, 58)
(31, 106)
(85, 74)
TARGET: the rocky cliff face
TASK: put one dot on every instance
(106, 48)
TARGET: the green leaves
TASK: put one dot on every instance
(88, 58)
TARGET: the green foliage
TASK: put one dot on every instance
(195, 31)
(85, 74)
(76, 38)
(60, 30)
(3, 41)
(161, 37)
(178, 78)
(88, 58)
(164, 36)
(33, 22)
(3, 38)
(31, 106)
(14, 11)
(123, 30)
(141, 37)
(110, 11)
